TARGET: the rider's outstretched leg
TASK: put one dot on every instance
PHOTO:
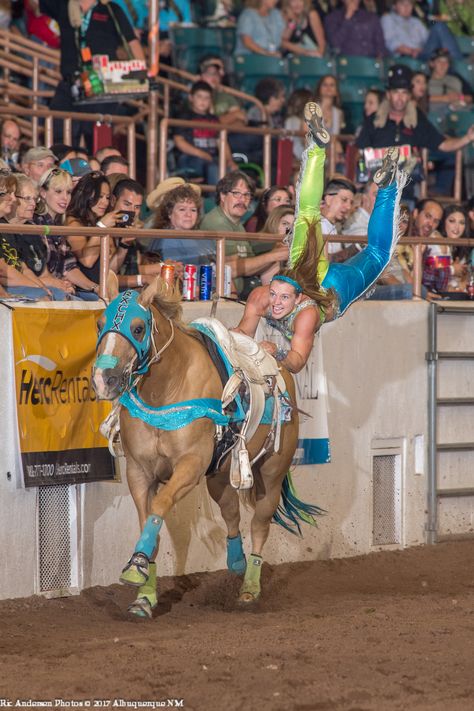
(351, 279)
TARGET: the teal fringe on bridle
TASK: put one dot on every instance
(291, 510)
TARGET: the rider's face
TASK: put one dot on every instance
(283, 299)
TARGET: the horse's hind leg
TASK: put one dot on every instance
(265, 506)
(228, 501)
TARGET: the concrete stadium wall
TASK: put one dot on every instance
(376, 373)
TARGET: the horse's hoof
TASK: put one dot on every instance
(142, 607)
(239, 567)
(247, 598)
(136, 572)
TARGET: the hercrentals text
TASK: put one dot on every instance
(55, 389)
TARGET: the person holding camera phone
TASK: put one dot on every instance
(90, 206)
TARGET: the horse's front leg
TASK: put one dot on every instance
(187, 471)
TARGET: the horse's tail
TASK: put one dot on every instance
(292, 510)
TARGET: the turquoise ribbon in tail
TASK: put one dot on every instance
(292, 510)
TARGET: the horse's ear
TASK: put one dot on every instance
(112, 286)
(148, 294)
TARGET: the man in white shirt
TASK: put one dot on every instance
(338, 199)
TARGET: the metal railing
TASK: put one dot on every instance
(220, 239)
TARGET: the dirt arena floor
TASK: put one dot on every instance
(393, 630)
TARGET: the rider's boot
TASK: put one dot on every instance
(387, 172)
(313, 116)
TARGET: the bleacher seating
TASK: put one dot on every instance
(360, 67)
(250, 68)
(465, 44)
(465, 69)
(192, 43)
(305, 72)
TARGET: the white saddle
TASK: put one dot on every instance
(259, 373)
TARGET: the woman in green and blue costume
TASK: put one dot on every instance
(311, 291)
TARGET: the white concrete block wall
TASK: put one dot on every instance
(377, 380)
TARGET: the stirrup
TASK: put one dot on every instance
(387, 172)
(313, 116)
(136, 572)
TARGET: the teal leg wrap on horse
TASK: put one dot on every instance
(149, 538)
(236, 562)
(353, 277)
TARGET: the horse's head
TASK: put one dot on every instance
(124, 341)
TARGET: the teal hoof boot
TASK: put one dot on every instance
(313, 116)
(142, 607)
(387, 172)
(136, 572)
(236, 562)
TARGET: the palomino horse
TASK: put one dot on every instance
(143, 333)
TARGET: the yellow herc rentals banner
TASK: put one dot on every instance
(58, 413)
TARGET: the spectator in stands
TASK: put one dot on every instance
(38, 161)
(352, 30)
(62, 151)
(114, 164)
(10, 139)
(233, 195)
(226, 107)
(127, 197)
(279, 221)
(470, 212)
(15, 274)
(328, 96)
(76, 167)
(198, 146)
(260, 29)
(372, 101)
(40, 27)
(180, 209)
(419, 90)
(62, 270)
(445, 266)
(304, 33)
(400, 122)
(270, 199)
(443, 87)
(294, 120)
(337, 204)
(101, 27)
(136, 12)
(105, 152)
(90, 204)
(407, 36)
(271, 92)
(427, 216)
(358, 222)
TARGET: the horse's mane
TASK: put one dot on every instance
(167, 300)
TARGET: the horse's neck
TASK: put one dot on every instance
(173, 377)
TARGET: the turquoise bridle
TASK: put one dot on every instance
(119, 316)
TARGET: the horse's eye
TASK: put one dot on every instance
(138, 330)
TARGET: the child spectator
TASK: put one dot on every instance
(445, 88)
(198, 146)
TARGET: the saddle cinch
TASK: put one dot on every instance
(258, 373)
